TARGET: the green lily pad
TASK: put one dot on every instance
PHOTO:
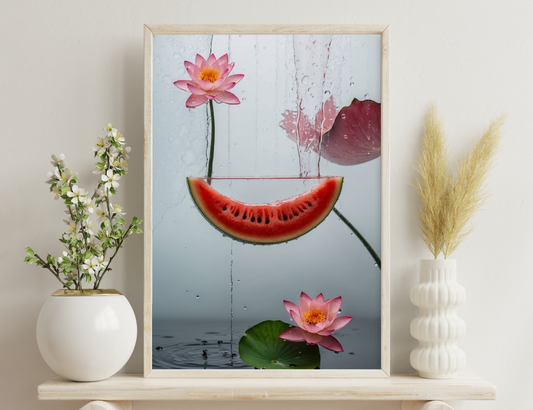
(262, 347)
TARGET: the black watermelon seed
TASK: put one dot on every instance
(259, 220)
(223, 208)
(252, 219)
(267, 221)
(309, 204)
(284, 217)
(237, 213)
(295, 213)
(244, 216)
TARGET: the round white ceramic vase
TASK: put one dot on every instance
(88, 336)
(437, 327)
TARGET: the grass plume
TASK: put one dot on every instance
(449, 201)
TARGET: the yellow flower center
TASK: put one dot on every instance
(314, 316)
(209, 74)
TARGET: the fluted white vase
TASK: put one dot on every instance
(437, 327)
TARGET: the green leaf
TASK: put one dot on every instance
(262, 347)
(105, 223)
(49, 258)
(69, 284)
(30, 251)
(130, 231)
(64, 190)
(136, 221)
(39, 263)
(100, 165)
(112, 190)
(121, 221)
(88, 278)
(29, 259)
(138, 230)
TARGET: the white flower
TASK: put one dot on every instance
(64, 257)
(100, 194)
(58, 162)
(90, 205)
(72, 227)
(89, 228)
(91, 265)
(113, 152)
(56, 191)
(111, 179)
(120, 163)
(117, 209)
(101, 260)
(53, 176)
(101, 145)
(95, 244)
(126, 151)
(101, 214)
(66, 176)
(111, 132)
(120, 139)
(77, 194)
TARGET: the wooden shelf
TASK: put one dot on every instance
(397, 387)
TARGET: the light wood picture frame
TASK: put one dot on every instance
(153, 101)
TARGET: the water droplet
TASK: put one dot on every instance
(244, 98)
(220, 342)
(376, 264)
(176, 55)
(343, 116)
(204, 342)
(364, 44)
(238, 280)
(186, 291)
(351, 84)
(197, 296)
(159, 348)
(182, 49)
(245, 308)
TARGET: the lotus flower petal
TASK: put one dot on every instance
(195, 90)
(330, 343)
(353, 138)
(290, 306)
(195, 100)
(305, 301)
(182, 84)
(228, 98)
(298, 320)
(315, 328)
(235, 78)
(319, 300)
(339, 322)
(210, 79)
(326, 332)
(334, 306)
(294, 334)
(312, 338)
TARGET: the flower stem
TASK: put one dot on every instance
(212, 148)
(361, 237)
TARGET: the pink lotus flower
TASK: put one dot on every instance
(210, 80)
(317, 320)
(353, 137)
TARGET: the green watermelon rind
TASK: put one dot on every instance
(299, 234)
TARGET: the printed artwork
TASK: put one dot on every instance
(266, 202)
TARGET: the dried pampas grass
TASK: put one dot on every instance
(449, 201)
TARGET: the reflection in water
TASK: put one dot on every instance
(179, 345)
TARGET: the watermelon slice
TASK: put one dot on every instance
(266, 223)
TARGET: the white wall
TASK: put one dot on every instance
(69, 66)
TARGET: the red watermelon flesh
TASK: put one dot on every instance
(266, 223)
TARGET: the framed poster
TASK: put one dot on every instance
(266, 201)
